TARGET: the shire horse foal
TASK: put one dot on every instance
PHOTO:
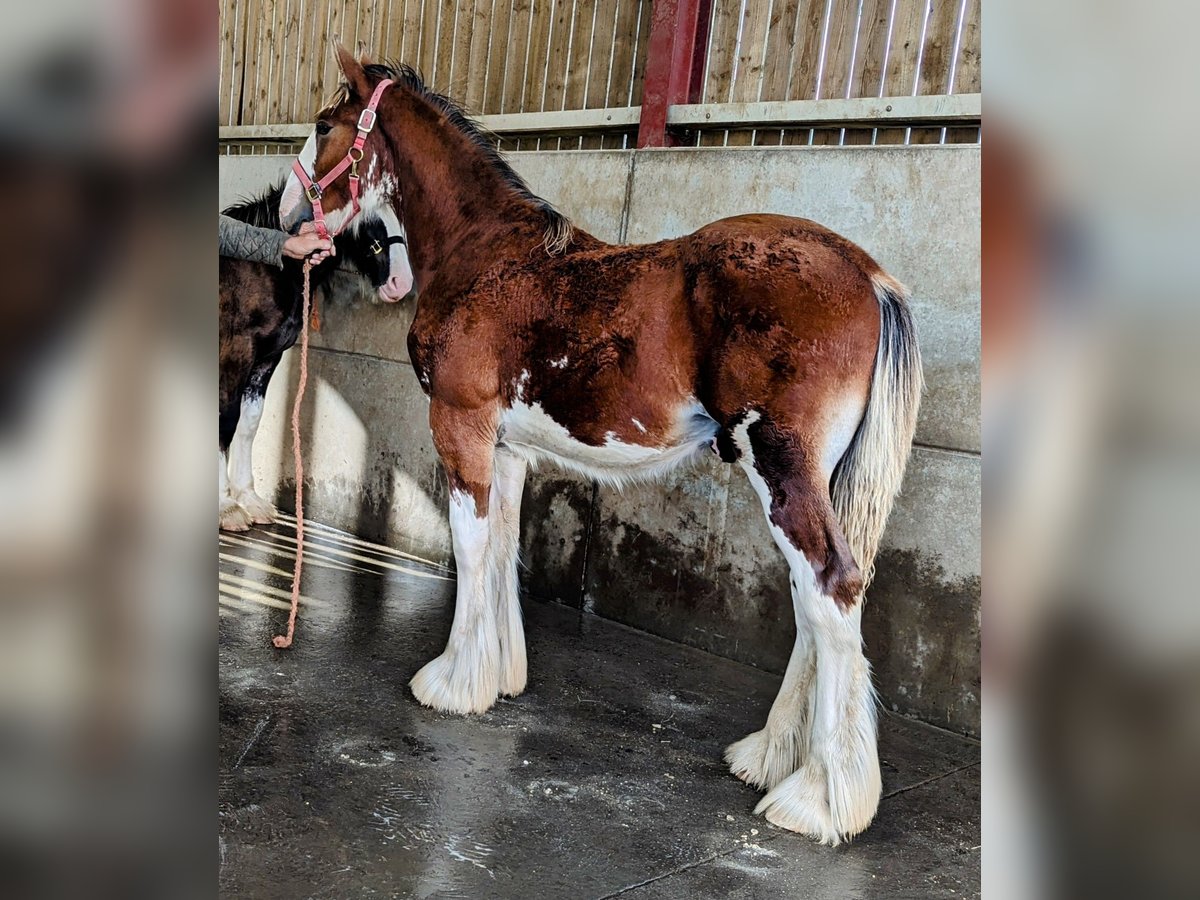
(768, 340)
(260, 309)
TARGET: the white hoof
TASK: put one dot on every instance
(830, 810)
(763, 759)
(447, 685)
(260, 511)
(233, 517)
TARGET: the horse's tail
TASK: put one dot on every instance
(867, 477)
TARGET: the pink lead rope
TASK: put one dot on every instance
(283, 641)
(366, 122)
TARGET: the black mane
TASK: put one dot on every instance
(558, 227)
(261, 211)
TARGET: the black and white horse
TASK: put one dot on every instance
(260, 314)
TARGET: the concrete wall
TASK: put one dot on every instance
(692, 560)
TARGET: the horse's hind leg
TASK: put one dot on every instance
(505, 517)
(766, 757)
(241, 476)
(834, 792)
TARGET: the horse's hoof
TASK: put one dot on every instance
(260, 511)
(445, 685)
(765, 758)
(800, 803)
(234, 518)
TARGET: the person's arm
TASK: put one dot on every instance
(267, 245)
(244, 241)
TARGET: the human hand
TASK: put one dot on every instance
(308, 244)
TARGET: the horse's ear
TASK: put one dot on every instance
(361, 52)
(356, 76)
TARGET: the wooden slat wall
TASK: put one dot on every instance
(506, 56)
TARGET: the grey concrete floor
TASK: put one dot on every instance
(604, 779)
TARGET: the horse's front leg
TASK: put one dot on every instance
(466, 677)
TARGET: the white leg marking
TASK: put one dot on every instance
(766, 757)
(836, 789)
(241, 453)
(466, 677)
(507, 485)
(230, 516)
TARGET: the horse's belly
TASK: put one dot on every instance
(528, 430)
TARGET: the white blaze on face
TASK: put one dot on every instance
(293, 199)
(400, 277)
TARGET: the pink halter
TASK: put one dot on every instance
(314, 190)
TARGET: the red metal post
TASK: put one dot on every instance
(674, 64)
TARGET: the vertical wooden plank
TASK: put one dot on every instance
(722, 45)
(404, 35)
(581, 59)
(295, 46)
(427, 51)
(748, 78)
(327, 74)
(310, 59)
(458, 76)
(936, 58)
(781, 41)
(281, 77)
(364, 32)
(806, 61)
(939, 46)
(866, 78)
(554, 87)
(599, 72)
(537, 55)
(250, 72)
(496, 56)
(966, 76)
(444, 55)
(840, 50)
(903, 52)
(483, 42)
(227, 29)
(967, 71)
(511, 73)
(623, 51)
(639, 56)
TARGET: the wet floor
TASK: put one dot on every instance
(603, 779)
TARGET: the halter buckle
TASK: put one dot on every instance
(366, 120)
(314, 192)
(376, 247)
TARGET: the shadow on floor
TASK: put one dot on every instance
(605, 778)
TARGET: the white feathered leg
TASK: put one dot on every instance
(507, 484)
(466, 677)
(241, 453)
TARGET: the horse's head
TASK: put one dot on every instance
(338, 126)
(379, 251)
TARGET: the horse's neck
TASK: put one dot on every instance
(455, 204)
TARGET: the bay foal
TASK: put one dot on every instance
(768, 340)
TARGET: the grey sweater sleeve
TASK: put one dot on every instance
(243, 241)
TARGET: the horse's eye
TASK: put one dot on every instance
(323, 128)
